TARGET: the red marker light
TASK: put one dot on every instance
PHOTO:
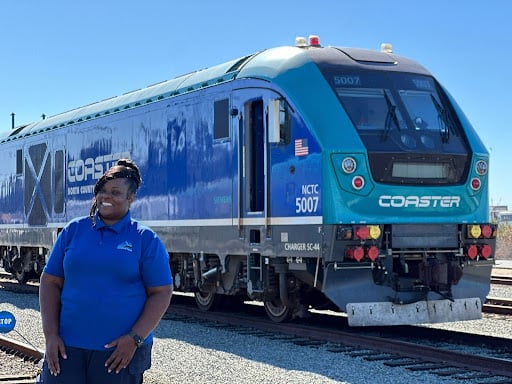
(356, 253)
(475, 184)
(358, 182)
(314, 40)
(486, 251)
(373, 253)
(472, 252)
(362, 233)
(486, 231)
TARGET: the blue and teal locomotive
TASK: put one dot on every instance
(302, 177)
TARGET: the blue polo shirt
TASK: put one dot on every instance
(105, 271)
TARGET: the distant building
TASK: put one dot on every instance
(498, 213)
(504, 217)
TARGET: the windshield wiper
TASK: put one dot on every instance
(446, 122)
(390, 117)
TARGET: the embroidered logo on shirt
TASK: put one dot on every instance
(127, 246)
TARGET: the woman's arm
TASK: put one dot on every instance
(159, 299)
(50, 288)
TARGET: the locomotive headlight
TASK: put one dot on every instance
(374, 232)
(348, 165)
(481, 167)
(474, 231)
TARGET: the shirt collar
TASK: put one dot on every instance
(117, 227)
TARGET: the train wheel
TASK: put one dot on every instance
(21, 275)
(207, 301)
(277, 311)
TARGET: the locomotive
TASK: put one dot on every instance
(303, 177)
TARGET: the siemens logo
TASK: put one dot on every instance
(419, 201)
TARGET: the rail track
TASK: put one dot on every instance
(21, 363)
(386, 350)
(501, 279)
(498, 305)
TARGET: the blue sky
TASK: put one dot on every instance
(57, 55)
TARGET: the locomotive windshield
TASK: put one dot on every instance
(407, 124)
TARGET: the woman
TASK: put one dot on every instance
(105, 287)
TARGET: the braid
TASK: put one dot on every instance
(94, 208)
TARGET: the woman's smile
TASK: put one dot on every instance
(114, 200)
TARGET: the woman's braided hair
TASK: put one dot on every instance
(126, 169)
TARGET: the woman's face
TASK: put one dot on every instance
(114, 200)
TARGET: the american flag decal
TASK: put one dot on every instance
(301, 147)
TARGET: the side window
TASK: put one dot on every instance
(58, 181)
(284, 123)
(221, 119)
(19, 162)
(278, 122)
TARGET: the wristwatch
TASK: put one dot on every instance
(138, 340)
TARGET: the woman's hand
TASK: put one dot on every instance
(54, 347)
(122, 355)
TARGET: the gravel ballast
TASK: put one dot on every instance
(193, 353)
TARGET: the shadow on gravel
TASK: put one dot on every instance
(19, 300)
